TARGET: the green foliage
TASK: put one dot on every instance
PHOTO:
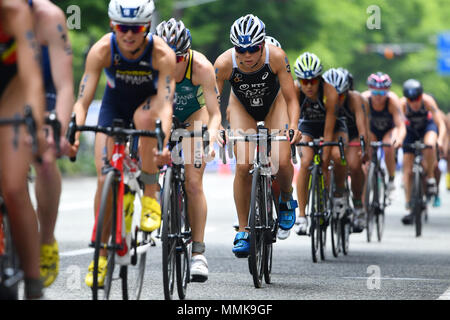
(335, 30)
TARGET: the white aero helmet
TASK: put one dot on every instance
(307, 66)
(273, 41)
(337, 79)
(176, 35)
(131, 11)
(247, 31)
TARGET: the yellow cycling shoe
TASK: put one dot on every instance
(49, 263)
(151, 214)
(128, 207)
(102, 268)
(447, 176)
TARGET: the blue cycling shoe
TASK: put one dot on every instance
(241, 243)
(287, 213)
(437, 202)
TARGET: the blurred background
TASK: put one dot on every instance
(404, 38)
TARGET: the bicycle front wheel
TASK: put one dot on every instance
(382, 205)
(256, 216)
(169, 244)
(106, 212)
(370, 201)
(313, 212)
(184, 254)
(417, 199)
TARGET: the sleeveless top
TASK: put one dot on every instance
(348, 114)
(312, 110)
(417, 119)
(256, 91)
(188, 97)
(8, 59)
(381, 120)
(129, 82)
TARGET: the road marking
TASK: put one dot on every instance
(401, 279)
(78, 252)
(445, 295)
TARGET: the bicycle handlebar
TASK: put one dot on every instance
(116, 130)
(319, 143)
(30, 123)
(53, 122)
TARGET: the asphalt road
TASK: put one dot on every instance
(401, 266)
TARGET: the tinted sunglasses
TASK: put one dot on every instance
(252, 49)
(135, 28)
(415, 99)
(378, 92)
(305, 82)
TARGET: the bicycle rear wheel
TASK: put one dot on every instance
(370, 201)
(108, 205)
(184, 252)
(256, 216)
(10, 273)
(345, 232)
(133, 274)
(168, 230)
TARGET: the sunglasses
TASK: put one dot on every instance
(305, 82)
(378, 92)
(135, 28)
(182, 57)
(252, 49)
(415, 99)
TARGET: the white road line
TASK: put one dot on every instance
(445, 295)
(76, 252)
(401, 279)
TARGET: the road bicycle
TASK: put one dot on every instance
(10, 271)
(418, 202)
(319, 207)
(262, 218)
(375, 197)
(129, 248)
(342, 226)
(176, 235)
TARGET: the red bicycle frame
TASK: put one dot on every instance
(116, 164)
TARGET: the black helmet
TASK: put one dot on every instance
(412, 89)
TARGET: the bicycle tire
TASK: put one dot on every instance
(183, 257)
(323, 221)
(312, 212)
(139, 248)
(9, 260)
(168, 243)
(369, 199)
(269, 232)
(335, 230)
(417, 203)
(345, 233)
(106, 198)
(256, 254)
(382, 205)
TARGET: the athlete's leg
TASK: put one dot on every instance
(14, 164)
(389, 154)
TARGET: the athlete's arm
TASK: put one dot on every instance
(431, 105)
(60, 53)
(97, 59)
(399, 120)
(205, 76)
(358, 108)
(223, 69)
(16, 19)
(282, 68)
(164, 61)
(332, 109)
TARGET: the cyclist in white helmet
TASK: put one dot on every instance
(197, 104)
(140, 71)
(258, 72)
(353, 108)
(319, 107)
